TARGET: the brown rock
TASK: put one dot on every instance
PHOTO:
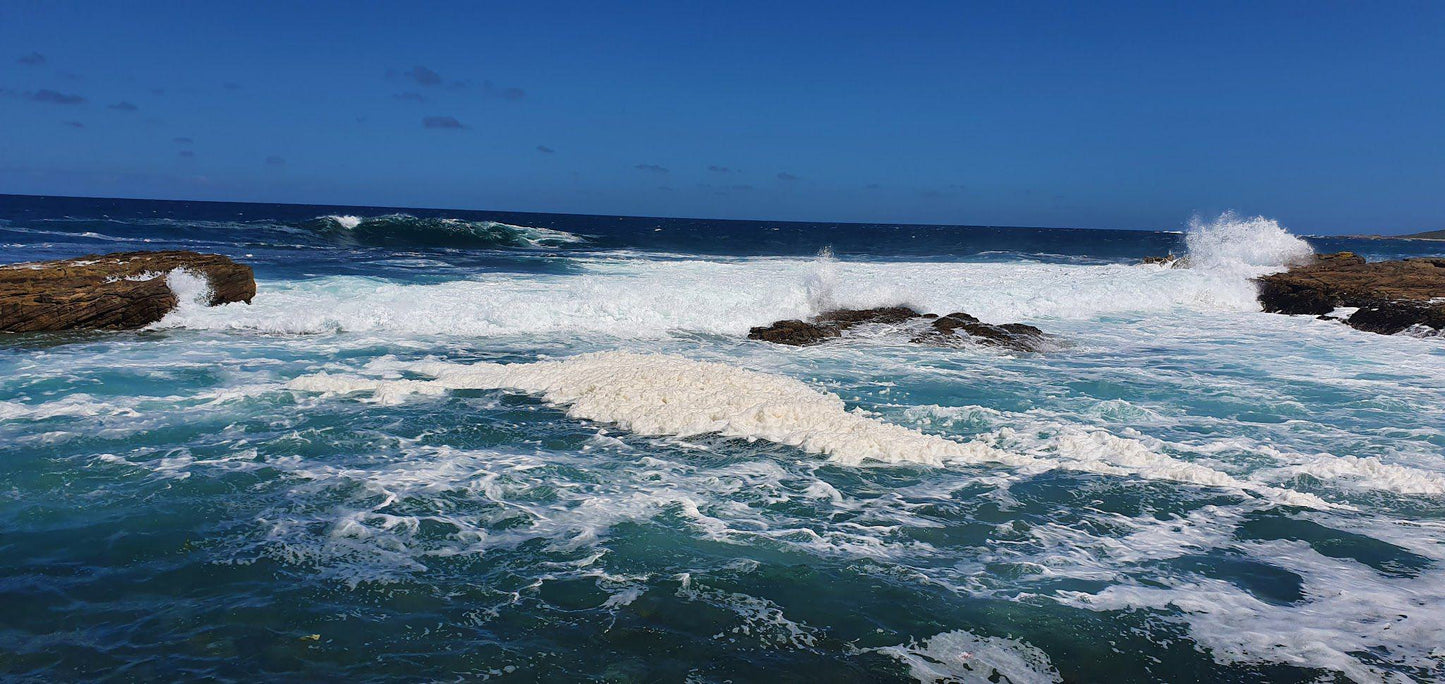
(1391, 295)
(943, 331)
(828, 325)
(112, 291)
(1016, 336)
(794, 332)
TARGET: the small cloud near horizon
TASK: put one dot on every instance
(719, 169)
(785, 176)
(52, 97)
(32, 59)
(546, 150)
(443, 122)
(652, 168)
(274, 160)
(75, 124)
(123, 107)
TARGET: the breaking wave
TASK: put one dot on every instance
(405, 230)
(643, 298)
(1245, 246)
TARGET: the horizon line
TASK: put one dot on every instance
(677, 218)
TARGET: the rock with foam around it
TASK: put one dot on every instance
(943, 331)
(117, 291)
(1391, 295)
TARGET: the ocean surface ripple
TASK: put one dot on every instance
(444, 445)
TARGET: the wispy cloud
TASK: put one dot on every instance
(53, 97)
(75, 124)
(423, 76)
(186, 154)
(32, 59)
(652, 168)
(785, 176)
(719, 169)
(274, 160)
(446, 122)
(123, 107)
(182, 141)
(506, 93)
(545, 150)
(231, 85)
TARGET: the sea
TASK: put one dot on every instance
(445, 445)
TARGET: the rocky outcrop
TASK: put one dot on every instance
(112, 291)
(828, 325)
(951, 330)
(1016, 336)
(1390, 296)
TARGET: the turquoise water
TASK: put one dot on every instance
(425, 452)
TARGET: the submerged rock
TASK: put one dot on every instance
(112, 292)
(828, 325)
(953, 329)
(1167, 260)
(1391, 295)
(1017, 336)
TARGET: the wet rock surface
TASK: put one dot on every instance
(1391, 296)
(954, 329)
(117, 291)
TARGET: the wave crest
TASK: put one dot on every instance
(1248, 246)
(405, 230)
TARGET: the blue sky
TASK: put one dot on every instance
(1327, 116)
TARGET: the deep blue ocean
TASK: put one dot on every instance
(450, 445)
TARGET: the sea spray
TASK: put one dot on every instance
(1243, 246)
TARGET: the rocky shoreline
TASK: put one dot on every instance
(120, 291)
(1388, 296)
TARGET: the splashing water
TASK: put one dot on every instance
(1247, 246)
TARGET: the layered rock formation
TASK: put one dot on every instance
(1390, 296)
(112, 292)
(953, 329)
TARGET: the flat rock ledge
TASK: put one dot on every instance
(942, 331)
(118, 291)
(1390, 296)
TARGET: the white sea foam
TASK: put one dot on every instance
(962, 656)
(1355, 611)
(192, 290)
(669, 395)
(644, 298)
(346, 221)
